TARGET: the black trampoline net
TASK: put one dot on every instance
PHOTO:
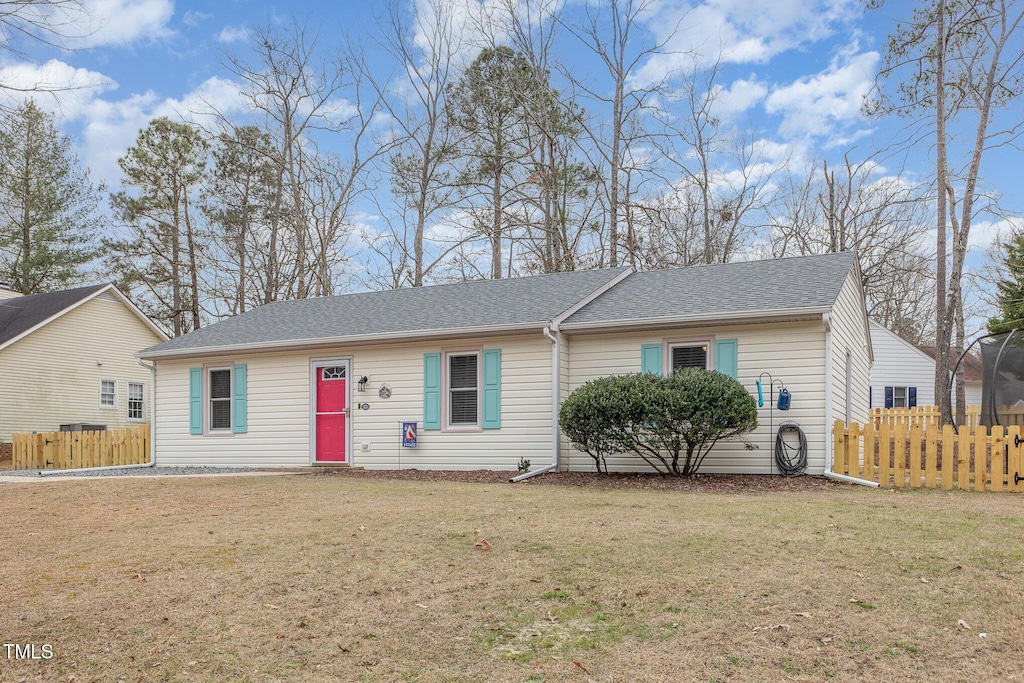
(1002, 386)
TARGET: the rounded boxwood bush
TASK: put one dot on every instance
(670, 422)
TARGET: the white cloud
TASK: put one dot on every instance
(195, 18)
(233, 34)
(737, 31)
(58, 88)
(110, 127)
(816, 105)
(118, 22)
(740, 96)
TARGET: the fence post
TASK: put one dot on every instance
(963, 461)
(869, 452)
(899, 456)
(915, 455)
(931, 458)
(980, 451)
(1014, 461)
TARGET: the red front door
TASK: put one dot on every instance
(331, 412)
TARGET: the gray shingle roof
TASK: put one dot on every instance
(733, 288)
(480, 304)
(739, 288)
(21, 313)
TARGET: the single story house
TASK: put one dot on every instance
(903, 375)
(481, 367)
(68, 357)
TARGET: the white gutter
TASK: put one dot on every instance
(829, 454)
(297, 344)
(152, 439)
(753, 316)
(556, 382)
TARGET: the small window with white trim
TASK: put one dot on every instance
(899, 397)
(108, 393)
(463, 390)
(136, 401)
(688, 355)
(219, 397)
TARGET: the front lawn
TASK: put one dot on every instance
(306, 578)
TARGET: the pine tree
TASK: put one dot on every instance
(47, 205)
(1011, 289)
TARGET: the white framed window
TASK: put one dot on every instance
(689, 354)
(108, 393)
(462, 389)
(218, 398)
(899, 397)
(136, 401)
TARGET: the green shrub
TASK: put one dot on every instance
(671, 422)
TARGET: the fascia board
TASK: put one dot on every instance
(360, 339)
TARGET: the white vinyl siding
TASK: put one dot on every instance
(849, 335)
(57, 369)
(899, 363)
(279, 410)
(792, 352)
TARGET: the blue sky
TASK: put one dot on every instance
(793, 70)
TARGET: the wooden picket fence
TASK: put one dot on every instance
(924, 415)
(74, 450)
(926, 456)
(928, 416)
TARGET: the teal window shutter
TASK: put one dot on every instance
(650, 358)
(195, 400)
(240, 380)
(492, 389)
(725, 357)
(431, 391)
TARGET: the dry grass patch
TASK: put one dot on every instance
(335, 578)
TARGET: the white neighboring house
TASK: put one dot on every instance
(482, 367)
(903, 375)
(67, 357)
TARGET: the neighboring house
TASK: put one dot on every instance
(903, 374)
(972, 373)
(481, 367)
(68, 357)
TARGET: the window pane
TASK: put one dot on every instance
(463, 372)
(220, 384)
(463, 407)
(899, 397)
(107, 392)
(220, 414)
(689, 357)
(334, 372)
(135, 401)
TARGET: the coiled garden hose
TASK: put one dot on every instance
(792, 460)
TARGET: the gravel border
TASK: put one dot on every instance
(133, 472)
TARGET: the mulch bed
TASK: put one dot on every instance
(728, 483)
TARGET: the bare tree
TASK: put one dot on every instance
(424, 144)
(959, 62)
(561, 189)
(612, 32)
(883, 218)
(299, 96)
(52, 23)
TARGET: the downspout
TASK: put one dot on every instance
(556, 382)
(829, 455)
(152, 436)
